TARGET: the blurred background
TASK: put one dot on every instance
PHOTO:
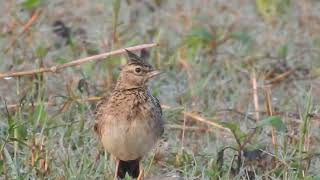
(240, 90)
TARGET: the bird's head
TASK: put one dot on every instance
(137, 72)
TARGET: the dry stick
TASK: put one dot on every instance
(199, 118)
(270, 113)
(255, 94)
(256, 107)
(183, 132)
(77, 62)
(282, 76)
(33, 18)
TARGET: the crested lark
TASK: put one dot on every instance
(130, 122)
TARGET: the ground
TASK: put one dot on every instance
(240, 87)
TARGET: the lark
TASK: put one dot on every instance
(130, 122)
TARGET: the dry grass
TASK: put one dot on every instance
(241, 83)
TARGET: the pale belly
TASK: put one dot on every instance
(128, 140)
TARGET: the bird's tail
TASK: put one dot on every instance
(130, 167)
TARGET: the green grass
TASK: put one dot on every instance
(208, 51)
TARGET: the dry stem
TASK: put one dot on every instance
(270, 113)
(77, 62)
(255, 94)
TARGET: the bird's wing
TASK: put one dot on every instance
(98, 115)
(159, 115)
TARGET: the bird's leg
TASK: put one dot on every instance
(116, 171)
(141, 174)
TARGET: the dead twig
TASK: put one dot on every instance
(33, 18)
(281, 76)
(255, 94)
(183, 132)
(268, 106)
(77, 62)
(256, 107)
(199, 118)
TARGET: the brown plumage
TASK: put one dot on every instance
(130, 122)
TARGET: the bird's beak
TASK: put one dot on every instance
(153, 73)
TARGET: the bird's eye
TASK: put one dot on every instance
(138, 70)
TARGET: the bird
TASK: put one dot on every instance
(130, 122)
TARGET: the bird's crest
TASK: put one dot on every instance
(141, 60)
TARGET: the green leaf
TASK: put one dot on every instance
(236, 131)
(22, 132)
(198, 36)
(61, 60)
(270, 9)
(266, 8)
(1, 166)
(92, 50)
(282, 6)
(273, 121)
(41, 51)
(182, 159)
(39, 114)
(283, 51)
(69, 131)
(30, 4)
(11, 124)
(88, 68)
